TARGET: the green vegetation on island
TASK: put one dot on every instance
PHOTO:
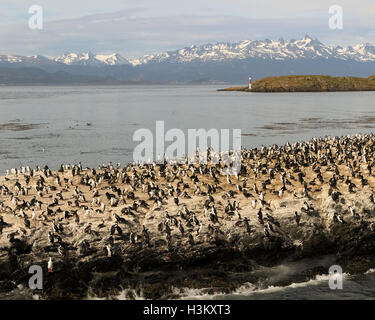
(309, 83)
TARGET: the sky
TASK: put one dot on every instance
(137, 27)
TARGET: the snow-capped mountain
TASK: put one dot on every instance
(83, 59)
(90, 59)
(306, 47)
(223, 61)
(30, 60)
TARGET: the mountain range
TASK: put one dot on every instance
(224, 62)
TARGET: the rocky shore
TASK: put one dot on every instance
(149, 229)
(308, 83)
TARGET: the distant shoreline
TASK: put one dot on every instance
(308, 83)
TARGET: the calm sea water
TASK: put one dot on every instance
(95, 125)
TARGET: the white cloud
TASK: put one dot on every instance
(137, 27)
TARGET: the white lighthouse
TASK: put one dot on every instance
(250, 83)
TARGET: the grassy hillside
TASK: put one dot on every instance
(309, 83)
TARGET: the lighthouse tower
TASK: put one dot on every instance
(250, 83)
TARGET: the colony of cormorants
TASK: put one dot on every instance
(77, 211)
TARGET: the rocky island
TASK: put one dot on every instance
(152, 230)
(308, 83)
